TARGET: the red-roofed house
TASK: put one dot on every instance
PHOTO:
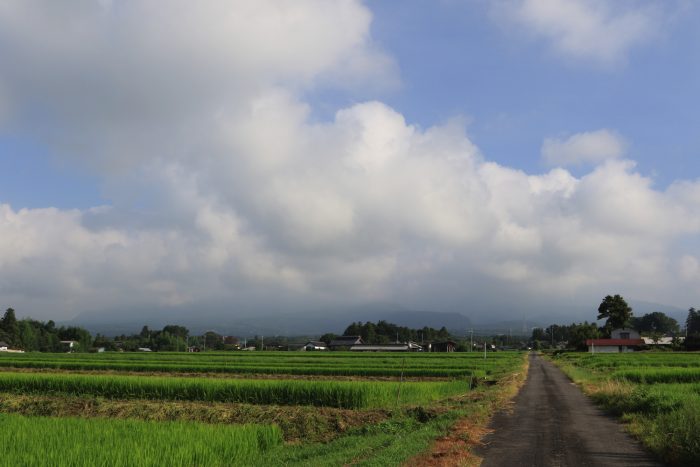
(621, 340)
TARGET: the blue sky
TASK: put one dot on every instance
(190, 147)
(455, 61)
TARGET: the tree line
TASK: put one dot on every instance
(383, 332)
(32, 335)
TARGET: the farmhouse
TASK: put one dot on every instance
(398, 347)
(621, 340)
(4, 347)
(315, 345)
(345, 342)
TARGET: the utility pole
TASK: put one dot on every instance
(484, 350)
(262, 342)
(471, 340)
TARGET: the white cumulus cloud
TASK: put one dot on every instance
(597, 31)
(591, 147)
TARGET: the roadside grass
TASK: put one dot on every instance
(657, 398)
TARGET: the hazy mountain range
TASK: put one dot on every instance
(316, 322)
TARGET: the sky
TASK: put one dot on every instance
(495, 158)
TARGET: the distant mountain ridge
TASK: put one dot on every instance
(283, 324)
(301, 322)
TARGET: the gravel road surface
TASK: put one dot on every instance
(553, 424)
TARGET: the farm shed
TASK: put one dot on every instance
(315, 345)
(662, 341)
(345, 342)
(400, 347)
(613, 345)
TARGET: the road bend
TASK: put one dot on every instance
(554, 424)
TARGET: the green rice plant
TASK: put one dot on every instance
(341, 394)
(659, 375)
(29, 441)
(296, 363)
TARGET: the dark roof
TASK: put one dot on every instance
(4, 344)
(380, 347)
(604, 342)
(316, 343)
(342, 341)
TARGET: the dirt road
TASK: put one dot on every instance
(554, 424)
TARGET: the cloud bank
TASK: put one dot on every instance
(225, 189)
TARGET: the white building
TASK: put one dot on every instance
(621, 340)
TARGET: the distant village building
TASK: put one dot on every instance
(345, 342)
(315, 345)
(68, 346)
(662, 341)
(398, 347)
(621, 340)
(4, 346)
(446, 346)
(232, 341)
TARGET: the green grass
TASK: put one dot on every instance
(30, 441)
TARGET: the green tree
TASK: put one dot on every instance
(10, 327)
(692, 329)
(175, 330)
(656, 323)
(28, 338)
(580, 333)
(692, 322)
(213, 341)
(616, 312)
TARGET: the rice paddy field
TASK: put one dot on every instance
(657, 394)
(247, 408)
